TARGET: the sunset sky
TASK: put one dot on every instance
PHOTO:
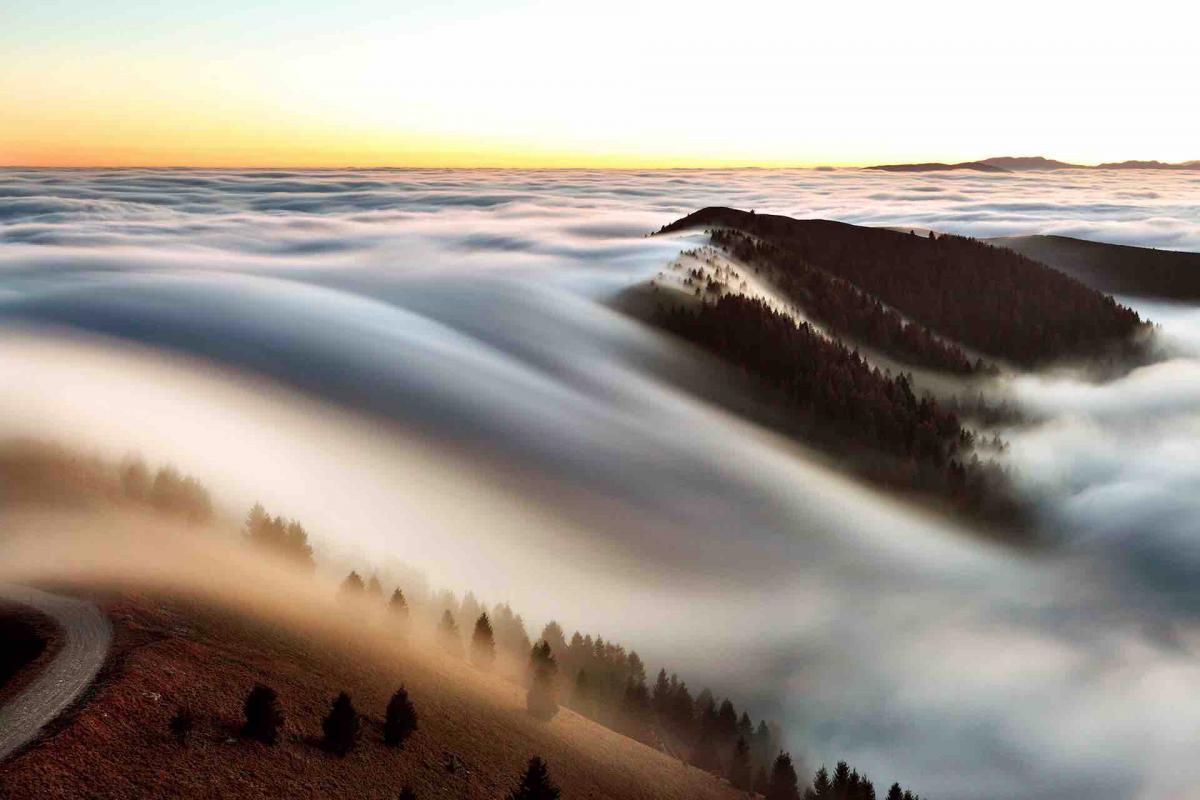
(468, 83)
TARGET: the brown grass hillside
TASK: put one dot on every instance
(204, 644)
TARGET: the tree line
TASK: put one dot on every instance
(845, 309)
(986, 297)
(844, 403)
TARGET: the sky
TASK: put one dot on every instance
(622, 84)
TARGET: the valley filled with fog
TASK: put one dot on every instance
(431, 367)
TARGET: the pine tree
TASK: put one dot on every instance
(375, 588)
(895, 793)
(535, 783)
(263, 715)
(739, 766)
(483, 643)
(541, 700)
(661, 696)
(341, 727)
(398, 605)
(352, 586)
(822, 789)
(841, 781)
(553, 635)
(400, 719)
(704, 754)
(784, 784)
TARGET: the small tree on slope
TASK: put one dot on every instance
(535, 783)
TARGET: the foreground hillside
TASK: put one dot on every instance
(1115, 268)
(228, 626)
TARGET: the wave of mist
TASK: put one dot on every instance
(424, 366)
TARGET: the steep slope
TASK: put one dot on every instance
(988, 298)
(1115, 268)
(474, 734)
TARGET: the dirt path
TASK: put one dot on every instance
(86, 637)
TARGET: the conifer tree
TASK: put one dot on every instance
(353, 585)
(541, 700)
(400, 719)
(739, 766)
(375, 588)
(661, 696)
(784, 784)
(535, 783)
(840, 781)
(821, 786)
(895, 793)
(263, 715)
(398, 605)
(483, 643)
(341, 727)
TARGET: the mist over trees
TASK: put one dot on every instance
(542, 697)
(483, 643)
(844, 404)
(286, 539)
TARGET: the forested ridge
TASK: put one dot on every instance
(848, 406)
(842, 307)
(989, 298)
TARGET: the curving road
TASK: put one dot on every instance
(86, 637)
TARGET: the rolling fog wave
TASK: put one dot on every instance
(425, 366)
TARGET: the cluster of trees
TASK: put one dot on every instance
(169, 491)
(284, 538)
(782, 783)
(986, 297)
(844, 401)
(341, 732)
(842, 307)
(596, 678)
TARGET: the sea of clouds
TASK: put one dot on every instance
(426, 366)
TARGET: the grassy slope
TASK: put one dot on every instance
(173, 650)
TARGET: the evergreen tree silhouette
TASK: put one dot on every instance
(341, 727)
(353, 585)
(739, 766)
(263, 714)
(374, 588)
(398, 605)
(821, 786)
(535, 783)
(661, 695)
(483, 643)
(840, 782)
(400, 719)
(704, 754)
(784, 784)
(541, 700)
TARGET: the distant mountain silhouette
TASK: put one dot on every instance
(1115, 268)
(976, 166)
(1030, 164)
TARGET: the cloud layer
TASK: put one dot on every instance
(467, 401)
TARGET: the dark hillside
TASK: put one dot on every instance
(1115, 268)
(988, 298)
